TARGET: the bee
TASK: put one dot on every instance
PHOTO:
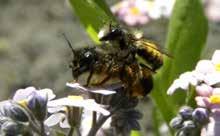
(147, 52)
(108, 66)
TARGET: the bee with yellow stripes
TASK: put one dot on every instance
(145, 51)
(106, 68)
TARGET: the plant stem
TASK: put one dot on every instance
(94, 118)
(78, 131)
(70, 133)
(98, 125)
(42, 129)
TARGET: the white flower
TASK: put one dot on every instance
(78, 101)
(207, 71)
(205, 67)
(58, 107)
(183, 82)
(86, 123)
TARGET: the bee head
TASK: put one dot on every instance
(110, 34)
(83, 59)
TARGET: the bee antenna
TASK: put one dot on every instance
(69, 43)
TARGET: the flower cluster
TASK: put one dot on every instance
(27, 109)
(27, 112)
(189, 121)
(140, 12)
(212, 8)
(206, 80)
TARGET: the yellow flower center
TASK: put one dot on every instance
(217, 67)
(23, 102)
(134, 10)
(215, 99)
(74, 97)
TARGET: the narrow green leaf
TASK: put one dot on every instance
(92, 14)
(156, 124)
(186, 38)
(135, 133)
(104, 6)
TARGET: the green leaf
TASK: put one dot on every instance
(186, 38)
(185, 41)
(135, 133)
(92, 14)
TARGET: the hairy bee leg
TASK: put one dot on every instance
(74, 78)
(89, 78)
(102, 81)
(147, 67)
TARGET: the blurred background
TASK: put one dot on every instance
(34, 53)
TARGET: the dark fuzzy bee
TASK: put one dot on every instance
(146, 51)
(109, 66)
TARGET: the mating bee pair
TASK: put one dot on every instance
(129, 59)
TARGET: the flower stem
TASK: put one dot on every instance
(78, 131)
(98, 125)
(70, 133)
(94, 118)
(42, 129)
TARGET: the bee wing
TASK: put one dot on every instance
(142, 43)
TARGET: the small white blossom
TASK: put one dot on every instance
(183, 82)
(58, 108)
(207, 71)
(78, 101)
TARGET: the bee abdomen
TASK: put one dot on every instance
(151, 57)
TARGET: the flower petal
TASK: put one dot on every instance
(204, 90)
(22, 94)
(202, 101)
(104, 92)
(65, 102)
(47, 92)
(212, 78)
(76, 86)
(216, 91)
(54, 119)
(56, 109)
(93, 106)
(216, 57)
(205, 67)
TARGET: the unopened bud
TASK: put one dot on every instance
(186, 112)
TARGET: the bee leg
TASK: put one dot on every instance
(89, 78)
(104, 80)
(147, 67)
(75, 79)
